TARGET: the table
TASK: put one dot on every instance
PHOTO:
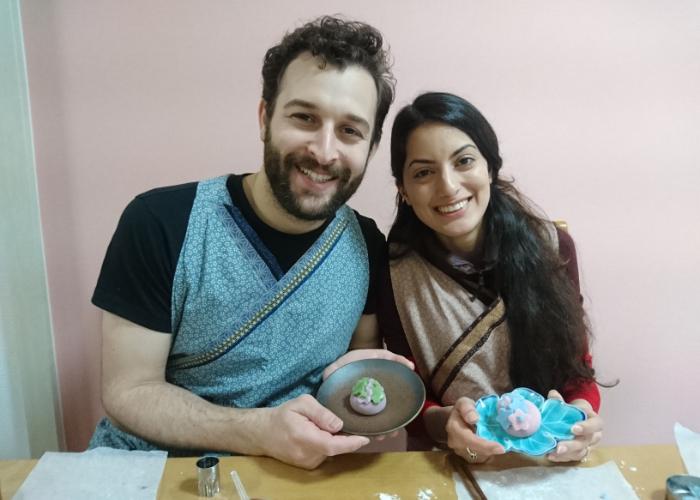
(368, 475)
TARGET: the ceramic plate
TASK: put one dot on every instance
(404, 390)
(557, 419)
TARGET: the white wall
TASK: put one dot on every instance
(29, 406)
(596, 104)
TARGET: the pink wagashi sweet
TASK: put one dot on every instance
(367, 396)
(518, 416)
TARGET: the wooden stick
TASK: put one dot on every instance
(470, 481)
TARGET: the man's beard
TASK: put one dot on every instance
(278, 171)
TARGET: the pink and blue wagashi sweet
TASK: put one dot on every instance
(525, 422)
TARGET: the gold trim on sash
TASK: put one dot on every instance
(465, 347)
(194, 360)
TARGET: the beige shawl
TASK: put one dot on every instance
(461, 345)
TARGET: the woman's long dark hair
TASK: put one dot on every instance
(548, 328)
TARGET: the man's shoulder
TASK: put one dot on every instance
(165, 208)
(369, 228)
(169, 196)
(365, 222)
(378, 259)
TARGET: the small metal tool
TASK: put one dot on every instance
(682, 487)
(208, 476)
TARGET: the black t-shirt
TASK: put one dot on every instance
(136, 279)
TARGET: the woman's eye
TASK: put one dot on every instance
(465, 161)
(420, 173)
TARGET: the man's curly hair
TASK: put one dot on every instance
(339, 43)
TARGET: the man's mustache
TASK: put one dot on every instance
(307, 162)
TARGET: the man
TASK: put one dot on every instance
(225, 300)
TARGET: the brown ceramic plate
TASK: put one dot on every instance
(405, 395)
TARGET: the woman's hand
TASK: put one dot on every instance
(461, 437)
(587, 433)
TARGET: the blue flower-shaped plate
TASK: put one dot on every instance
(557, 420)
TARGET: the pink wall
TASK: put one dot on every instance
(596, 104)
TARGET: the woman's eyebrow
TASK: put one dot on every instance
(429, 162)
(459, 150)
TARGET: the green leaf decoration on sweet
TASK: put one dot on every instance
(358, 390)
(377, 392)
(369, 389)
(557, 420)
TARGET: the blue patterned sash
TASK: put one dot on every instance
(247, 336)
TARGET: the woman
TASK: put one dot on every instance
(485, 292)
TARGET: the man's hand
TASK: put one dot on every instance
(359, 354)
(139, 400)
(301, 431)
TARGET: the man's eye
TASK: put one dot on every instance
(352, 131)
(303, 117)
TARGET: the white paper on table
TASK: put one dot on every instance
(103, 473)
(573, 483)
(689, 447)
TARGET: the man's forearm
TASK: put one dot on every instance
(176, 418)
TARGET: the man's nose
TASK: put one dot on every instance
(324, 146)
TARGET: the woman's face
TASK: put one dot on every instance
(446, 181)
